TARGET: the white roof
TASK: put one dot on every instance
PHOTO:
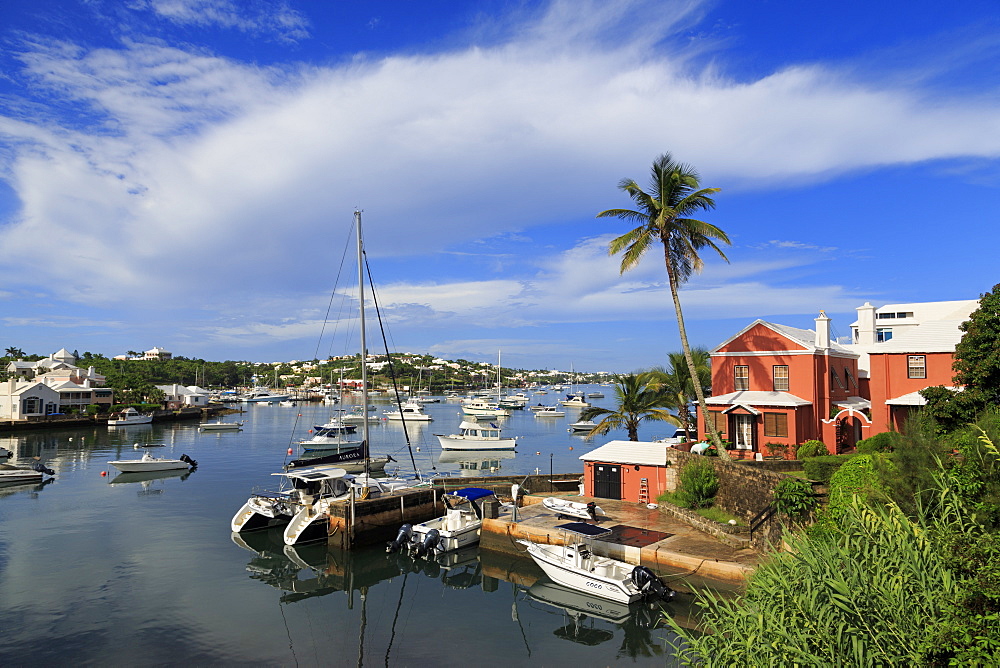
(959, 310)
(629, 452)
(857, 403)
(932, 337)
(757, 398)
(912, 399)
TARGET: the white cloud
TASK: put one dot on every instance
(260, 17)
(193, 177)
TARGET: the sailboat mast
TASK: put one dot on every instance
(364, 343)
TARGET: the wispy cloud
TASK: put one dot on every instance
(257, 17)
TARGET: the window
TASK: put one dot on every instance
(883, 334)
(742, 377)
(721, 422)
(31, 405)
(781, 378)
(776, 424)
(916, 366)
(849, 377)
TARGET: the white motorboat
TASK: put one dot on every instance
(582, 425)
(357, 414)
(150, 463)
(220, 426)
(582, 511)
(4, 453)
(336, 425)
(459, 527)
(475, 436)
(127, 417)
(574, 565)
(480, 408)
(17, 474)
(411, 411)
(595, 395)
(261, 395)
(575, 401)
(549, 412)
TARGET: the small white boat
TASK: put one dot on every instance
(220, 426)
(484, 409)
(475, 436)
(127, 417)
(549, 412)
(150, 463)
(411, 411)
(595, 395)
(574, 565)
(286, 403)
(582, 425)
(583, 511)
(357, 414)
(575, 401)
(263, 396)
(459, 527)
(17, 474)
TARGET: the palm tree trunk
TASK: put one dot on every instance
(706, 416)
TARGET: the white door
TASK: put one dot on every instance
(744, 432)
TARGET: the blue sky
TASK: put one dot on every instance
(182, 173)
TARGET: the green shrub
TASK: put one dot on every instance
(884, 442)
(93, 409)
(794, 497)
(776, 449)
(860, 477)
(811, 449)
(823, 467)
(698, 484)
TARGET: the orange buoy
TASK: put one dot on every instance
(571, 447)
(104, 473)
(289, 451)
(310, 431)
(538, 453)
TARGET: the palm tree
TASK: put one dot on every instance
(676, 380)
(13, 352)
(639, 400)
(662, 215)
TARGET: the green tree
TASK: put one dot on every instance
(676, 381)
(14, 353)
(662, 214)
(977, 356)
(638, 401)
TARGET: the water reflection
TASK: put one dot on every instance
(147, 477)
(31, 488)
(473, 463)
(311, 571)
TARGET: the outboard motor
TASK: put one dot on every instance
(40, 467)
(402, 538)
(191, 462)
(592, 510)
(429, 543)
(650, 585)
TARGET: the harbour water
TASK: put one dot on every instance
(136, 571)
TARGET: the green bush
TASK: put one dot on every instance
(93, 409)
(859, 476)
(794, 497)
(698, 484)
(884, 442)
(811, 449)
(776, 449)
(823, 467)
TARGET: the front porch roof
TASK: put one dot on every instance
(914, 398)
(736, 407)
(757, 398)
(857, 403)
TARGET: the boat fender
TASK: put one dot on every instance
(650, 585)
(193, 463)
(429, 543)
(402, 538)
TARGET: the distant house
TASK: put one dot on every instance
(156, 354)
(782, 385)
(51, 385)
(25, 399)
(179, 396)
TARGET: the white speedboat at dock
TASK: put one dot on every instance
(459, 527)
(567, 508)
(575, 565)
(127, 417)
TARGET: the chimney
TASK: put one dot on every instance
(866, 325)
(822, 330)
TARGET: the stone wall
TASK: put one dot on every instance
(744, 491)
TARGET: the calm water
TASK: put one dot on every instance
(97, 570)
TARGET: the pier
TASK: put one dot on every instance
(639, 535)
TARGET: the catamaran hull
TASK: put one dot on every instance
(257, 514)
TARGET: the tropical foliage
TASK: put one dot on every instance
(697, 484)
(663, 214)
(639, 399)
(676, 380)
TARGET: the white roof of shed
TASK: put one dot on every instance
(629, 452)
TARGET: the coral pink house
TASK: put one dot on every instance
(777, 386)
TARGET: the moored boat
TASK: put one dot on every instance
(128, 416)
(575, 565)
(150, 463)
(583, 511)
(475, 436)
(459, 527)
(220, 426)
